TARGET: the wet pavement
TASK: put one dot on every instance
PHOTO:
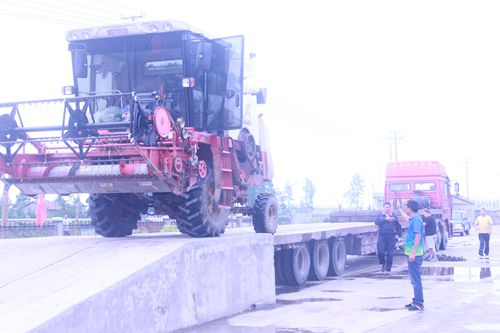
(460, 296)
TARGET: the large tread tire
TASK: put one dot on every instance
(320, 260)
(200, 215)
(337, 257)
(115, 215)
(296, 265)
(265, 217)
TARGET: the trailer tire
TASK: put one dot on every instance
(278, 269)
(265, 217)
(115, 215)
(320, 259)
(200, 215)
(337, 257)
(296, 265)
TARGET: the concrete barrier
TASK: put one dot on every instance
(143, 283)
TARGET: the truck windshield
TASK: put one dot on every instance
(425, 186)
(399, 187)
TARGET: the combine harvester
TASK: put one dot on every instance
(148, 125)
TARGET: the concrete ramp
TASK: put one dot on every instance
(143, 283)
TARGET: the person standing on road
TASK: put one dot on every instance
(414, 249)
(430, 227)
(484, 225)
(388, 228)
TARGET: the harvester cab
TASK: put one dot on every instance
(148, 127)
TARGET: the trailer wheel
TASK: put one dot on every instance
(265, 217)
(201, 215)
(278, 268)
(338, 257)
(115, 215)
(296, 264)
(320, 260)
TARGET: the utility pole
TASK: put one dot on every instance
(395, 138)
(5, 204)
(467, 162)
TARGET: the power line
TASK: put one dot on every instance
(36, 13)
(71, 10)
(467, 162)
(39, 18)
(120, 6)
(86, 6)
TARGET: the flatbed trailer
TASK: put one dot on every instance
(161, 282)
(316, 250)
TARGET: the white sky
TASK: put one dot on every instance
(341, 77)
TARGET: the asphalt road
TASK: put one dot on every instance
(460, 296)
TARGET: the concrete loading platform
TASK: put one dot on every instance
(143, 283)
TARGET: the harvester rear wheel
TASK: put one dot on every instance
(114, 215)
(201, 215)
(265, 217)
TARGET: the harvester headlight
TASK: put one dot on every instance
(73, 36)
(85, 35)
(167, 26)
(153, 28)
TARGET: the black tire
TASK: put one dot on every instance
(337, 257)
(320, 259)
(265, 217)
(278, 269)
(296, 264)
(115, 215)
(200, 215)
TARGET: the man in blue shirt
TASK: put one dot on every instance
(414, 249)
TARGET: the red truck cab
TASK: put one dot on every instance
(425, 182)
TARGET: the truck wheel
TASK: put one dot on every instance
(115, 215)
(201, 215)
(338, 257)
(265, 217)
(320, 260)
(296, 264)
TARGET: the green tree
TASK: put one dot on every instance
(288, 195)
(309, 191)
(22, 208)
(356, 191)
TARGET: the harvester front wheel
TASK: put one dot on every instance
(201, 214)
(114, 215)
(265, 217)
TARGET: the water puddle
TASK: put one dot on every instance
(383, 309)
(458, 274)
(337, 291)
(306, 300)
